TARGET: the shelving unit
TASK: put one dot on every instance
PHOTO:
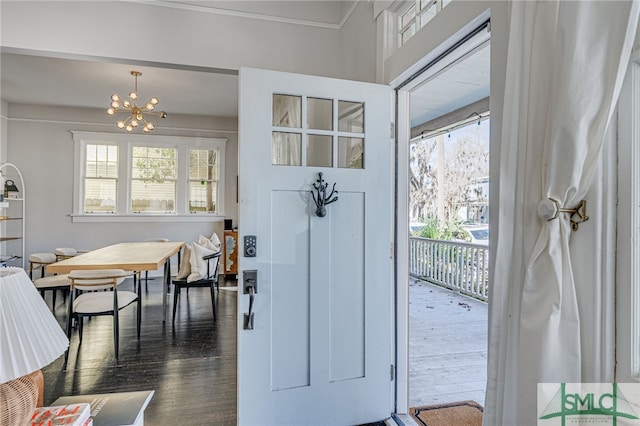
(12, 223)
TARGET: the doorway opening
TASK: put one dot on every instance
(448, 168)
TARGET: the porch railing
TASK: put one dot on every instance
(456, 265)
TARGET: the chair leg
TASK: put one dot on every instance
(176, 292)
(213, 301)
(139, 313)
(42, 271)
(69, 322)
(80, 321)
(53, 303)
(116, 331)
(146, 281)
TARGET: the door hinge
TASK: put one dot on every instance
(393, 130)
(391, 372)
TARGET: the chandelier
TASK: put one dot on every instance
(137, 114)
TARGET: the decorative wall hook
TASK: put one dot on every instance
(550, 209)
(320, 197)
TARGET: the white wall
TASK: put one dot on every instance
(357, 45)
(41, 145)
(104, 29)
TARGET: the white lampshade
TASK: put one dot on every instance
(30, 336)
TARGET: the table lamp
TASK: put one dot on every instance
(30, 339)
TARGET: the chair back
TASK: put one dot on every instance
(213, 262)
(97, 279)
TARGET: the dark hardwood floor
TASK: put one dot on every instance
(191, 367)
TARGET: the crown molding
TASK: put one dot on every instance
(249, 15)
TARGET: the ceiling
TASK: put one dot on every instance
(213, 92)
(70, 82)
(462, 84)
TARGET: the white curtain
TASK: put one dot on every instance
(565, 65)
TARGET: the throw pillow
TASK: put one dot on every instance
(216, 241)
(205, 242)
(198, 264)
(185, 263)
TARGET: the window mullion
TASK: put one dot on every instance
(182, 184)
(124, 178)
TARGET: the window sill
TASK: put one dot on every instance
(114, 218)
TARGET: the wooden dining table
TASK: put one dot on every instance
(135, 257)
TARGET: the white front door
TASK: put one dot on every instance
(319, 350)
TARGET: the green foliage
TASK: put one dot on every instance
(435, 230)
(154, 165)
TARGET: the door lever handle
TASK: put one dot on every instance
(248, 317)
(250, 287)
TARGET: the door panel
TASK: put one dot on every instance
(319, 351)
(290, 351)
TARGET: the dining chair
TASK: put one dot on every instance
(63, 253)
(40, 260)
(53, 283)
(92, 302)
(204, 275)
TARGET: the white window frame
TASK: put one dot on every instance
(420, 11)
(125, 143)
(628, 228)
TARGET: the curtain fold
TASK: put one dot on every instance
(565, 65)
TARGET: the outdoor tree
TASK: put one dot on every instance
(448, 180)
(422, 179)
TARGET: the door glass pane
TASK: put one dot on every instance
(351, 153)
(319, 150)
(286, 149)
(319, 114)
(287, 111)
(351, 117)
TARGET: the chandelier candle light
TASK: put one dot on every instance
(137, 114)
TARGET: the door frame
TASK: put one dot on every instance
(476, 35)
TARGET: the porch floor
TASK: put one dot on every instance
(447, 345)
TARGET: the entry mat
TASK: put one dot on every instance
(463, 413)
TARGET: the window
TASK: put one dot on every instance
(143, 177)
(417, 16)
(153, 179)
(101, 178)
(203, 180)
